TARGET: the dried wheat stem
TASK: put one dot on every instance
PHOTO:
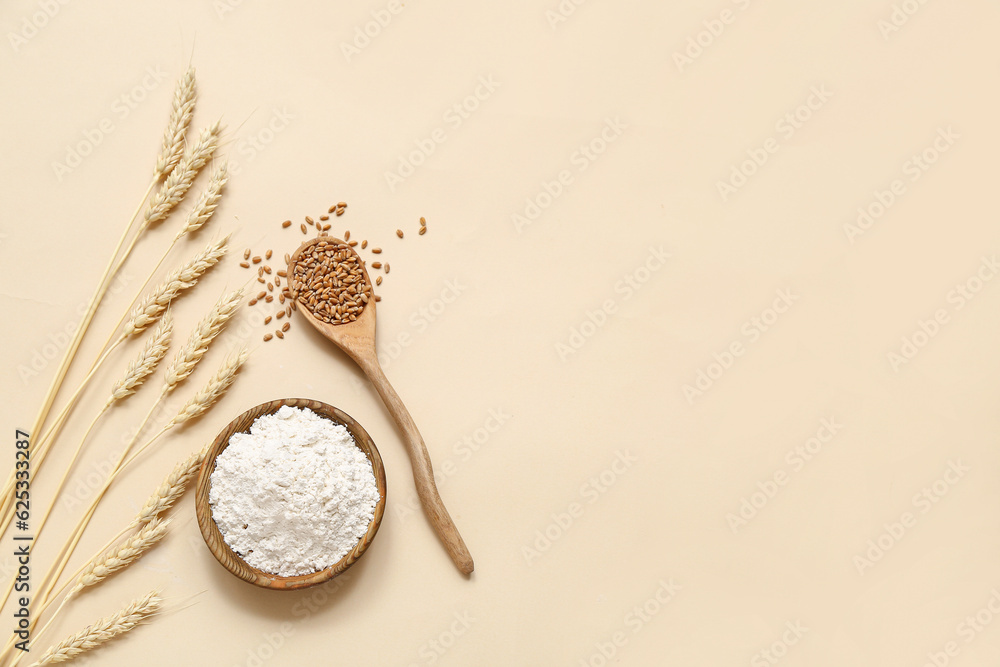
(195, 406)
(40, 446)
(180, 119)
(201, 153)
(186, 93)
(51, 577)
(179, 181)
(162, 499)
(152, 306)
(141, 367)
(39, 525)
(103, 631)
(129, 551)
(207, 203)
(55, 385)
(151, 354)
(198, 342)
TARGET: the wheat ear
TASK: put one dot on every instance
(173, 487)
(207, 203)
(210, 393)
(151, 307)
(124, 555)
(180, 119)
(179, 181)
(103, 631)
(141, 367)
(197, 344)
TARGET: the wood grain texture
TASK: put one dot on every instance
(357, 339)
(210, 531)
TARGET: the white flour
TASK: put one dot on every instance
(295, 494)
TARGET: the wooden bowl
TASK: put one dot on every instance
(210, 531)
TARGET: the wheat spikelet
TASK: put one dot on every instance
(199, 340)
(149, 309)
(207, 203)
(103, 631)
(140, 367)
(124, 555)
(180, 119)
(172, 488)
(182, 176)
(216, 387)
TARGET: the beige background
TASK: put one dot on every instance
(328, 127)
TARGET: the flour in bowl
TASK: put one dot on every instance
(295, 494)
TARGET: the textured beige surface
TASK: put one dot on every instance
(791, 314)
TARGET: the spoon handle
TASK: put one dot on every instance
(423, 475)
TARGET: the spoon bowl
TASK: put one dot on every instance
(357, 339)
(213, 536)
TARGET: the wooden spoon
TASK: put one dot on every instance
(357, 339)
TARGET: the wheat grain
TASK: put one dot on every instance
(103, 631)
(207, 203)
(197, 344)
(140, 367)
(216, 387)
(179, 181)
(172, 488)
(180, 119)
(328, 279)
(124, 555)
(152, 306)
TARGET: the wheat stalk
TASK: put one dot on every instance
(184, 100)
(172, 488)
(103, 631)
(196, 406)
(154, 350)
(149, 309)
(114, 264)
(180, 119)
(210, 393)
(197, 344)
(129, 551)
(207, 203)
(182, 176)
(140, 367)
